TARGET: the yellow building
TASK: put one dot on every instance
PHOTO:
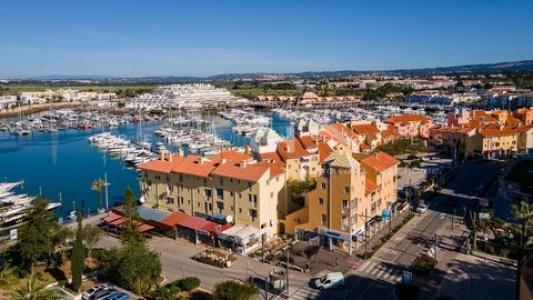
(230, 185)
(348, 194)
(492, 143)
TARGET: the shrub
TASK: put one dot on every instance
(424, 263)
(233, 290)
(189, 283)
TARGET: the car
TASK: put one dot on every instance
(422, 208)
(101, 295)
(117, 296)
(329, 281)
(90, 292)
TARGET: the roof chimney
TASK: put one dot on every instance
(290, 146)
(243, 164)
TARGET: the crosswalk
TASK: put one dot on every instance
(305, 293)
(376, 269)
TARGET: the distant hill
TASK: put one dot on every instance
(523, 65)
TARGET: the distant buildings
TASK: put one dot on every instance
(412, 125)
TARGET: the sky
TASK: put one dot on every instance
(201, 38)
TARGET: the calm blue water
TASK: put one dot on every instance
(66, 163)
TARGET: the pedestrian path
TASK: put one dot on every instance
(305, 293)
(379, 270)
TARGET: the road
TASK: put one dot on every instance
(385, 267)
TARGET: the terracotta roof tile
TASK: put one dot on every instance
(407, 119)
(370, 186)
(249, 172)
(380, 161)
(290, 149)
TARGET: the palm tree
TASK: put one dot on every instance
(524, 212)
(35, 290)
(98, 185)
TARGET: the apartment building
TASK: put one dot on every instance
(348, 195)
(412, 125)
(492, 143)
(230, 185)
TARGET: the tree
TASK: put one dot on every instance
(98, 185)
(37, 233)
(233, 290)
(7, 277)
(523, 212)
(130, 227)
(35, 290)
(77, 262)
(138, 268)
(91, 236)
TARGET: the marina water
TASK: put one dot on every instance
(65, 163)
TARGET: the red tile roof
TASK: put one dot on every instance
(380, 161)
(250, 172)
(490, 132)
(365, 129)
(290, 149)
(231, 155)
(324, 151)
(308, 142)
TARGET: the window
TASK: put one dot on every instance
(170, 200)
(253, 214)
(323, 219)
(346, 189)
(220, 206)
(271, 194)
(344, 204)
(221, 181)
(207, 193)
(323, 185)
(220, 193)
(321, 201)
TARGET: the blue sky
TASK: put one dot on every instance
(198, 38)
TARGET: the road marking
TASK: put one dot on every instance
(305, 293)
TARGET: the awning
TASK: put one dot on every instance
(175, 219)
(239, 232)
(111, 217)
(145, 227)
(201, 224)
(117, 221)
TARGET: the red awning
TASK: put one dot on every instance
(201, 224)
(111, 217)
(175, 219)
(117, 221)
(145, 227)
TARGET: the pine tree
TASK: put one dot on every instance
(130, 229)
(78, 257)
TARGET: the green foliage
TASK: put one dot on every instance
(37, 234)
(403, 146)
(98, 186)
(167, 292)
(130, 231)
(35, 290)
(424, 263)
(297, 187)
(133, 266)
(91, 236)
(188, 283)
(8, 276)
(233, 290)
(78, 257)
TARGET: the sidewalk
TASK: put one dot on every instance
(375, 239)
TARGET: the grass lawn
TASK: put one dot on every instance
(522, 173)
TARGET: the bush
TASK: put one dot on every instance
(189, 283)
(234, 290)
(165, 293)
(424, 264)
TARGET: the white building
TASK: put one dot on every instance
(264, 140)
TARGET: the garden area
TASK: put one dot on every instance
(404, 146)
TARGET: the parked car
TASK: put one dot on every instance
(422, 208)
(330, 281)
(117, 296)
(90, 292)
(101, 295)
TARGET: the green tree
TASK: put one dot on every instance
(37, 234)
(35, 290)
(523, 212)
(233, 290)
(7, 277)
(130, 227)
(91, 236)
(138, 268)
(98, 185)
(78, 257)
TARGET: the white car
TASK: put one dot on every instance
(422, 208)
(92, 291)
(330, 281)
